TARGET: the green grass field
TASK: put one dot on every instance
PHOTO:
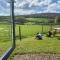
(31, 30)
(29, 44)
(33, 46)
(37, 19)
(5, 38)
(26, 31)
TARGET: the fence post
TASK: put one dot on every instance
(20, 33)
(42, 27)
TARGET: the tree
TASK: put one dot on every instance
(21, 20)
(58, 20)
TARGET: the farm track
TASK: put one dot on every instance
(37, 57)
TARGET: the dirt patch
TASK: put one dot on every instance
(37, 57)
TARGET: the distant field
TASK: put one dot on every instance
(37, 19)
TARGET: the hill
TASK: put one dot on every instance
(47, 15)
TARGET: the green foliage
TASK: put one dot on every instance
(57, 19)
(21, 20)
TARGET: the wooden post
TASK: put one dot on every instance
(20, 33)
(42, 27)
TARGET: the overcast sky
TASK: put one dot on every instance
(23, 7)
